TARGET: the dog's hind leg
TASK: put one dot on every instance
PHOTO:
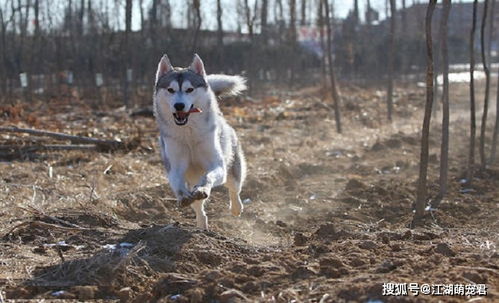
(236, 206)
(235, 181)
(201, 218)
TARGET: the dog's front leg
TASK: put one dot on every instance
(215, 176)
(179, 162)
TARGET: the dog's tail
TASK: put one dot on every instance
(225, 85)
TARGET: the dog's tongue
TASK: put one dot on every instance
(192, 110)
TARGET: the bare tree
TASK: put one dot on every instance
(303, 20)
(444, 149)
(196, 5)
(332, 76)
(404, 17)
(491, 29)
(36, 48)
(126, 59)
(320, 23)
(153, 24)
(496, 128)
(142, 18)
(220, 30)
(167, 14)
(263, 20)
(422, 191)
(250, 22)
(487, 87)
(23, 21)
(292, 18)
(279, 16)
(250, 18)
(471, 154)
(3, 53)
(81, 16)
(391, 54)
(356, 13)
(369, 13)
(292, 39)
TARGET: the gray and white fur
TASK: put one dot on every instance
(199, 150)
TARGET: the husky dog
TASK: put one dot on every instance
(198, 148)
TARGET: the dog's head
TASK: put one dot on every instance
(181, 91)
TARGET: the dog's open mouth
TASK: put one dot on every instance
(182, 117)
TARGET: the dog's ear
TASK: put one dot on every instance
(197, 66)
(164, 66)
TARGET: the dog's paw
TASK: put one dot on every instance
(184, 202)
(200, 193)
(184, 199)
(236, 209)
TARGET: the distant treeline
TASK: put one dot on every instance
(87, 47)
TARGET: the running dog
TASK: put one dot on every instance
(199, 149)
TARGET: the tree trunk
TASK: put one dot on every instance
(196, 4)
(483, 128)
(23, 22)
(36, 48)
(23, 55)
(496, 128)
(126, 59)
(444, 149)
(334, 89)
(356, 12)
(320, 23)
(80, 17)
(3, 54)
(391, 54)
(303, 20)
(280, 21)
(263, 19)
(168, 14)
(220, 31)
(491, 29)
(404, 17)
(153, 24)
(471, 154)
(142, 20)
(292, 40)
(404, 66)
(387, 8)
(422, 190)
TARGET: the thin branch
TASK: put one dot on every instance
(101, 143)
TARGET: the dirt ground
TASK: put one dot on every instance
(326, 215)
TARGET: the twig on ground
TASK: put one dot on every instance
(55, 219)
(44, 225)
(101, 143)
(52, 147)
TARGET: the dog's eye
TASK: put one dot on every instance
(171, 90)
(189, 90)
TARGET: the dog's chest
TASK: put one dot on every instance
(197, 147)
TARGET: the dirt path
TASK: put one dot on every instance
(325, 216)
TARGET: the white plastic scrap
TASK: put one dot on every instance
(58, 293)
(175, 297)
(122, 248)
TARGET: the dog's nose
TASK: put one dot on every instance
(179, 106)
